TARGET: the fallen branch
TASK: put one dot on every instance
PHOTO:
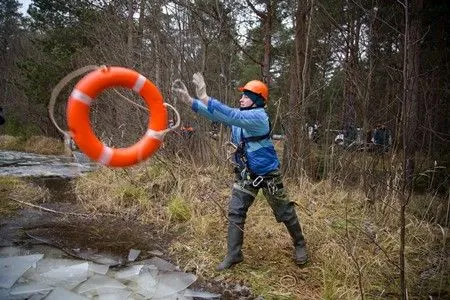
(55, 211)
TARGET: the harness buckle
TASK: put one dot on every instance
(244, 174)
(257, 181)
(272, 187)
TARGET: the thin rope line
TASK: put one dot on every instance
(57, 89)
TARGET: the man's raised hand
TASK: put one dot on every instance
(181, 92)
(200, 87)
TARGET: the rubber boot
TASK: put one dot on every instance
(234, 244)
(301, 255)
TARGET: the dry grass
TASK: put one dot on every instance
(18, 189)
(353, 245)
(34, 144)
(8, 142)
(44, 145)
(353, 239)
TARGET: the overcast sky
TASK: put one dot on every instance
(25, 4)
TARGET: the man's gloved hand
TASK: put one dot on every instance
(181, 92)
(200, 87)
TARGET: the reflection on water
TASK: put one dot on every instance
(23, 164)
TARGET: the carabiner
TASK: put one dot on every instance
(257, 181)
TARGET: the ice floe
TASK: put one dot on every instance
(36, 276)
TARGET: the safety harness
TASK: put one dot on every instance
(240, 156)
(244, 168)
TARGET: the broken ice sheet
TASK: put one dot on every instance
(103, 258)
(5, 295)
(60, 293)
(161, 264)
(98, 268)
(47, 264)
(172, 282)
(39, 296)
(29, 288)
(56, 272)
(12, 268)
(144, 284)
(117, 295)
(128, 272)
(99, 284)
(133, 254)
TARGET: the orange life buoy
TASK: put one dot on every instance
(78, 121)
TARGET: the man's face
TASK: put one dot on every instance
(245, 102)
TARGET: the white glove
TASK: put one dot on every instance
(200, 86)
(181, 92)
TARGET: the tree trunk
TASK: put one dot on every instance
(351, 75)
(130, 33)
(411, 74)
(297, 145)
(268, 24)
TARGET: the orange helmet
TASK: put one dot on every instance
(257, 87)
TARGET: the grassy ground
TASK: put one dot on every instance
(34, 144)
(21, 190)
(353, 243)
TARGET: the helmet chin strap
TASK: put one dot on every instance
(257, 99)
(248, 107)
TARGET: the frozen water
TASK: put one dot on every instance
(173, 282)
(98, 268)
(30, 288)
(145, 284)
(47, 264)
(68, 277)
(20, 164)
(100, 258)
(60, 272)
(88, 280)
(164, 284)
(133, 254)
(5, 295)
(39, 296)
(60, 293)
(99, 284)
(13, 267)
(128, 272)
(118, 295)
(161, 264)
(80, 157)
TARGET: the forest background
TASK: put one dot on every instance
(346, 65)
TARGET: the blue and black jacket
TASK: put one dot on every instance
(261, 156)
